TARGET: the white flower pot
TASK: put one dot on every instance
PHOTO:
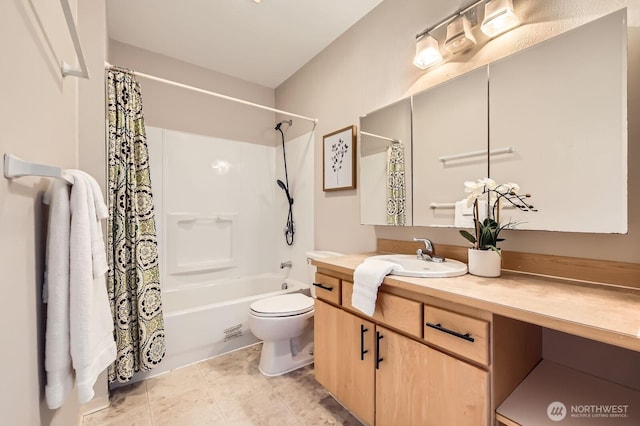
(484, 263)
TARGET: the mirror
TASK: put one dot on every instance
(553, 117)
(378, 130)
(449, 145)
(562, 104)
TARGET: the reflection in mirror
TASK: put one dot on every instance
(385, 136)
(450, 128)
(563, 105)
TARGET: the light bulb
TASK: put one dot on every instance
(499, 17)
(427, 52)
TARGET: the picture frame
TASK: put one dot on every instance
(339, 159)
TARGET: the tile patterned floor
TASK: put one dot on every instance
(224, 391)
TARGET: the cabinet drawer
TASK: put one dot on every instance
(463, 335)
(327, 288)
(397, 312)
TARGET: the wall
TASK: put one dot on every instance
(231, 179)
(370, 66)
(299, 153)
(173, 108)
(170, 107)
(39, 122)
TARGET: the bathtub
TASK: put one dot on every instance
(208, 320)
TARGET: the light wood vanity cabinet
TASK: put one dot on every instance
(418, 385)
(383, 371)
(344, 358)
(327, 288)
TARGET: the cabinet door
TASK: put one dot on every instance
(458, 393)
(356, 377)
(450, 121)
(419, 386)
(326, 331)
(402, 381)
(563, 105)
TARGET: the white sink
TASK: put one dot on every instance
(410, 266)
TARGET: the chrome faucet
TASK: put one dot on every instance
(427, 253)
(286, 264)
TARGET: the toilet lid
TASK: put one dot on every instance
(282, 306)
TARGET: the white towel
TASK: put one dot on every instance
(464, 214)
(57, 359)
(99, 210)
(367, 278)
(91, 326)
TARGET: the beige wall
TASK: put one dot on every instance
(175, 108)
(370, 66)
(38, 118)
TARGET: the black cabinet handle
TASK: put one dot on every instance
(439, 327)
(362, 349)
(378, 359)
(324, 287)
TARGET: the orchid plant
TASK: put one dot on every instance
(491, 194)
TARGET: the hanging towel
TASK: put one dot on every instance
(57, 359)
(396, 192)
(92, 342)
(367, 278)
(464, 214)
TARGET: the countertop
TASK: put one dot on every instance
(603, 313)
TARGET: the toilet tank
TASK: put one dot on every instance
(311, 270)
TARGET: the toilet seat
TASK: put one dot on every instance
(286, 305)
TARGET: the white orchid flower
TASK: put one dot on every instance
(488, 183)
(513, 187)
(473, 189)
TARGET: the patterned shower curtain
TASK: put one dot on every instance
(396, 191)
(133, 280)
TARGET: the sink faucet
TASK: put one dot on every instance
(427, 253)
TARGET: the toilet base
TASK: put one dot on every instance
(283, 356)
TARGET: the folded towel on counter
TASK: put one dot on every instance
(92, 343)
(57, 359)
(367, 278)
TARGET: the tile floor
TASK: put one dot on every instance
(224, 391)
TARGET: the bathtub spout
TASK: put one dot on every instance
(286, 264)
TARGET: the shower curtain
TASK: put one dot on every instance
(396, 192)
(133, 279)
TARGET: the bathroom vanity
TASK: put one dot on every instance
(449, 351)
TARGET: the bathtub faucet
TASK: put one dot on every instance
(286, 264)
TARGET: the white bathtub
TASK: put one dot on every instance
(208, 320)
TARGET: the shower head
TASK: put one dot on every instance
(282, 185)
(289, 122)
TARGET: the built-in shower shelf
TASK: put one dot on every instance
(198, 242)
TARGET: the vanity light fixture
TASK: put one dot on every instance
(499, 17)
(427, 52)
(459, 36)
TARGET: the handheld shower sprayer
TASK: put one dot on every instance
(289, 230)
(286, 190)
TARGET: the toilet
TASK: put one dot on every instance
(285, 325)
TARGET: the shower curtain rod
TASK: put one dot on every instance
(208, 92)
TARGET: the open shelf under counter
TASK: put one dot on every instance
(554, 394)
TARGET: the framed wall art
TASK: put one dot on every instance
(339, 159)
